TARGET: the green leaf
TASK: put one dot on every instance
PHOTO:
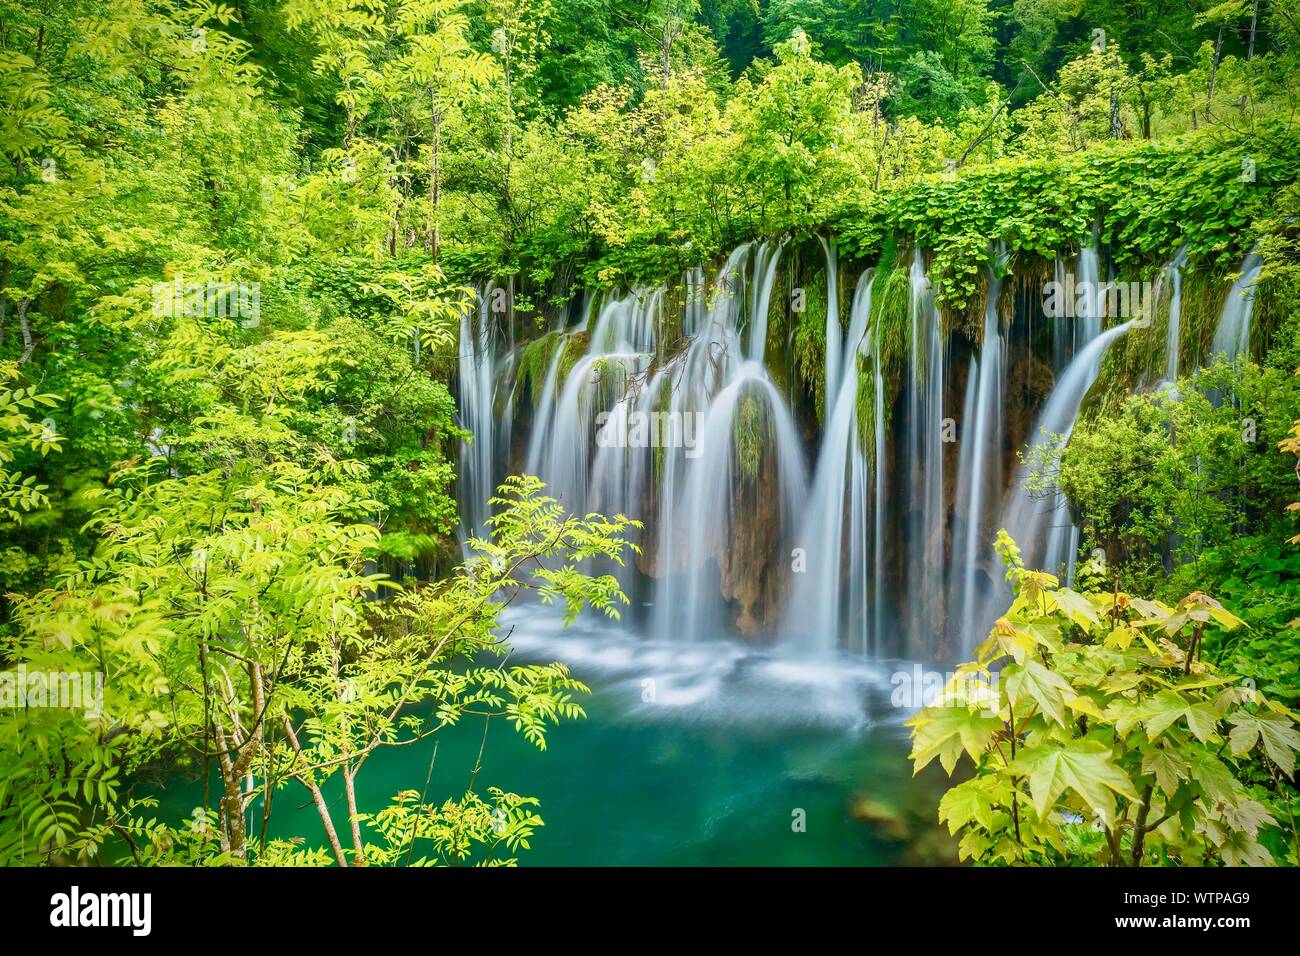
(1045, 687)
(1083, 766)
(1203, 720)
(965, 803)
(1248, 816)
(1162, 711)
(1240, 849)
(1280, 738)
(1077, 608)
(945, 732)
(974, 844)
(1209, 773)
(1167, 765)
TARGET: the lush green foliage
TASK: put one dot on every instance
(234, 242)
(230, 613)
(1149, 198)
(1099, 733)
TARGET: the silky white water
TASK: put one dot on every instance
(767, 523)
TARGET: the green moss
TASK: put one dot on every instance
(663, 404)
(750, 435)
(1204, 291)
(810, 340)
(1141, 355)
(866, 406)
(535, 360)
(576, 345)
(891, 322)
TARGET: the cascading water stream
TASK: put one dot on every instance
(698, 499)
(477, 351)
(833, 357)
(1232, 336)
(766, 260)
(1041, 525)
(1173, 273)
(924, 525)
(828, 601)
(620, 348)
(979, 473)
(691, 605)
(895, 532)
(700, 444)
(1090, 295)
(879, 483)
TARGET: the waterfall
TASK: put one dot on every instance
(477, 366)
(923, 537)
(979, 472)
(690, 605)
(828, 601)
(1173, 273)
(674, 419)
(543, 405)
(1232, 336)
(1077, 303)
(620, 348)
(1090, 297)
(698, 443)
(765, 262)
(878, 514)
(1062, 331)
(833, 356)
(1041, 525)
(698, 519)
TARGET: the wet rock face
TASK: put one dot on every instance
(1029, 382)
(753, 572)
(647, 562)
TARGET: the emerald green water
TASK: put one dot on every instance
(707, 754)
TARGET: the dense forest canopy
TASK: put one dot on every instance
(236, 243)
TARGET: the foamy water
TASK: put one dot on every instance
(721, 680)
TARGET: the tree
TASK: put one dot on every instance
(417, 52)
(799, 128)
(1084, 106)
(227, 608)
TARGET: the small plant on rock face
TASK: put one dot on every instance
(1106, 739)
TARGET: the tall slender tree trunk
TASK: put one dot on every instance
(433, 237)
(354, 820)
(25, 329)
(1214, 71)
(317, 798)
(234, 838)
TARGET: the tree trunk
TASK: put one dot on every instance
(349, 787)
(318, 798)
(29, 344)
(433, 239)
(232, 812)
(1214, 71)
(234, 839)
